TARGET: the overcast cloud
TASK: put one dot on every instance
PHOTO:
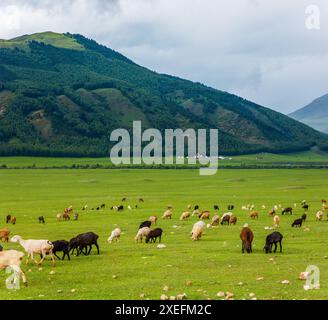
(259, 49)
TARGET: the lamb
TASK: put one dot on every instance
(153, 219)
(143, 232)
(319, 216)
(115, 235)
(167, 214)
(61, 246)
(276, 221)
(273, 239)
(13, 259)
(4, 235)
(185, 216)
(145, 224)
(32, 247)
(153, 235)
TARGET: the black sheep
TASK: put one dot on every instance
(287, 210)
(231, 207)
(196, 207)
(297, 223)
(304, 216)
(216, 207)
(8, 218)
(1, 247)
(61, 246)
(85, 240)
(305, 207)
(41, 219)
(273, 239)
(120, 208)
(154, 234)
(145, 224)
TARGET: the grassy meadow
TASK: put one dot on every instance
(125, 270)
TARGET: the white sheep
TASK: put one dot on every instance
(153, 219)
(13, 259)
(197, 230)
(276, 221)
(143, 232)
(42, 247)
(115, 235)
(319, 216)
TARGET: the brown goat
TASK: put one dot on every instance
(246, 237)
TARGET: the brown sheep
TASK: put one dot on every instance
(247, 238)
(153, 219)
(13, 220)
(205, 215)
(254, 215)
(272, 213)
(66, 217)
(185, 216)
(233, 220)
(4, 235)
(215, 221)
(167, 214)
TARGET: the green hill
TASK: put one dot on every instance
(62, 95)
(314, 114)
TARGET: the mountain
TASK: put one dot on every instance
(314, 114)
(62, 95)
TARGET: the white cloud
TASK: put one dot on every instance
(258, 49)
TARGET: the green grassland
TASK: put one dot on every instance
(213, 264)
(311, 158)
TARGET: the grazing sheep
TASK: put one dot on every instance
(41, 219)
(254, 215)
(123, 199)
(76, 216)
(85, 207)
(231, 207)
(273, 239)
(225, 219)
(185, 216)
(13, 259)
(304, 216)
(59, 217)
(195, 213)
(120, 208)
(68, 210)
(142, 232)
(145, 224)
(153, 219)
(205, 215)
(141, 200)
(115, 235)
(42, 247)
(247, 238)
(297, 223)
(197, 230)
(83, 241)
(233, 220)
(167, 214)
(8, 218)
(215, 220)
(189, 207)
(196, 207)
(153, 235)
(287, 210)
(305, 207)
(66, 217)
(319, 216)
(4, 235)
(216, 207)
(272, 212)
(1, 248)
(103, 206)
(169, 207)
(61, 246)
(276, 221)
(129, 207)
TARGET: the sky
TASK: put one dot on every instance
(272, 52)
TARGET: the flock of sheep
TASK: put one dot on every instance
(83, 243)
